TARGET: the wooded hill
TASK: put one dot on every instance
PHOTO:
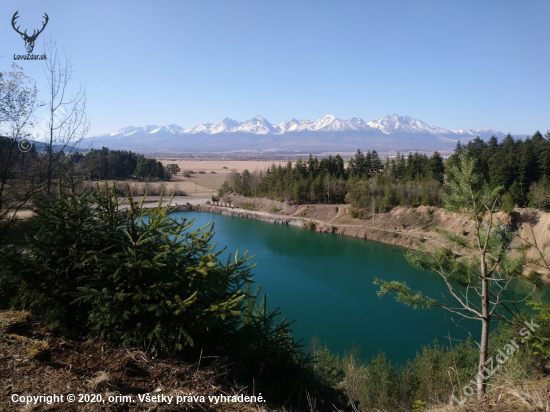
(520, 167)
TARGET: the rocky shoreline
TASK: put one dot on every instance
(410, 228)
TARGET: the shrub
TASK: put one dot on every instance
(356, 213)
(146, 280)
(163, 286)
(310, 225)
(202, 172)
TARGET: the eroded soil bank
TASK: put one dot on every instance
(407, 227)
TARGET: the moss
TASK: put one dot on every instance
(15, 321)
(39, 350)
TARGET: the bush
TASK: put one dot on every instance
(356, 213)
(146, 280)
(310, 225)
(248, 206)
(202, 172)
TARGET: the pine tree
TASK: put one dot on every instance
(486, 279)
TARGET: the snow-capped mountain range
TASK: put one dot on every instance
(329, 133)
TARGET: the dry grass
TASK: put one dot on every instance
(95, 366)
(100, 381)
(215, 172)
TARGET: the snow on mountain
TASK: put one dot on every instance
(126, 131)
(256, 125)
(164, 130)
(201, 128)
(404, 124)
(476, 132)
(225, 125)
(259, 125)
(329, 133)
(291, 125)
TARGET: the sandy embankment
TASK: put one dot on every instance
(407, 227)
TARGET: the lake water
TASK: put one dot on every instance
(325, 283)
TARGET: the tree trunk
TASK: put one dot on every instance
(481, 378)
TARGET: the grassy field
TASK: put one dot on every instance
(215, 172)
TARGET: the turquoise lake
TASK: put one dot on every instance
(325, 283)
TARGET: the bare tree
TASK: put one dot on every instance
(19, 170)
(67, 120)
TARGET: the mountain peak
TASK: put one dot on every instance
(390, 126)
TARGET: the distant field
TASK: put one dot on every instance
(210, 182)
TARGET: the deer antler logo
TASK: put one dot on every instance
(29, 40)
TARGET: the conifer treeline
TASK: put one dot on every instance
(117, 164)
(521, 167)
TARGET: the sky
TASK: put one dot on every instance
(454, 64)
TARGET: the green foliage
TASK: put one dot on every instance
(403, 294)
(162, 286)
(414, 180)
(118, 164)
(328, 366)
(310, 225)
(367, 182)
(507, 203)
(515, 165)
(144, 279)
(248, 206)
(59, 259)
(540, 342)
(539, 194)
(492, 272)
(172, 168)
(433, 374)
(419, 406)
(265, 349)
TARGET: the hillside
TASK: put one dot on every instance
(407, 227)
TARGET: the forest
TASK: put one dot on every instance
(116, 164)
(520, 166)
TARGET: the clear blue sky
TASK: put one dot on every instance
(455, 64)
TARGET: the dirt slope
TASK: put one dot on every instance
(407, 227)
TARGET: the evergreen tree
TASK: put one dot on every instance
(492, 273)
